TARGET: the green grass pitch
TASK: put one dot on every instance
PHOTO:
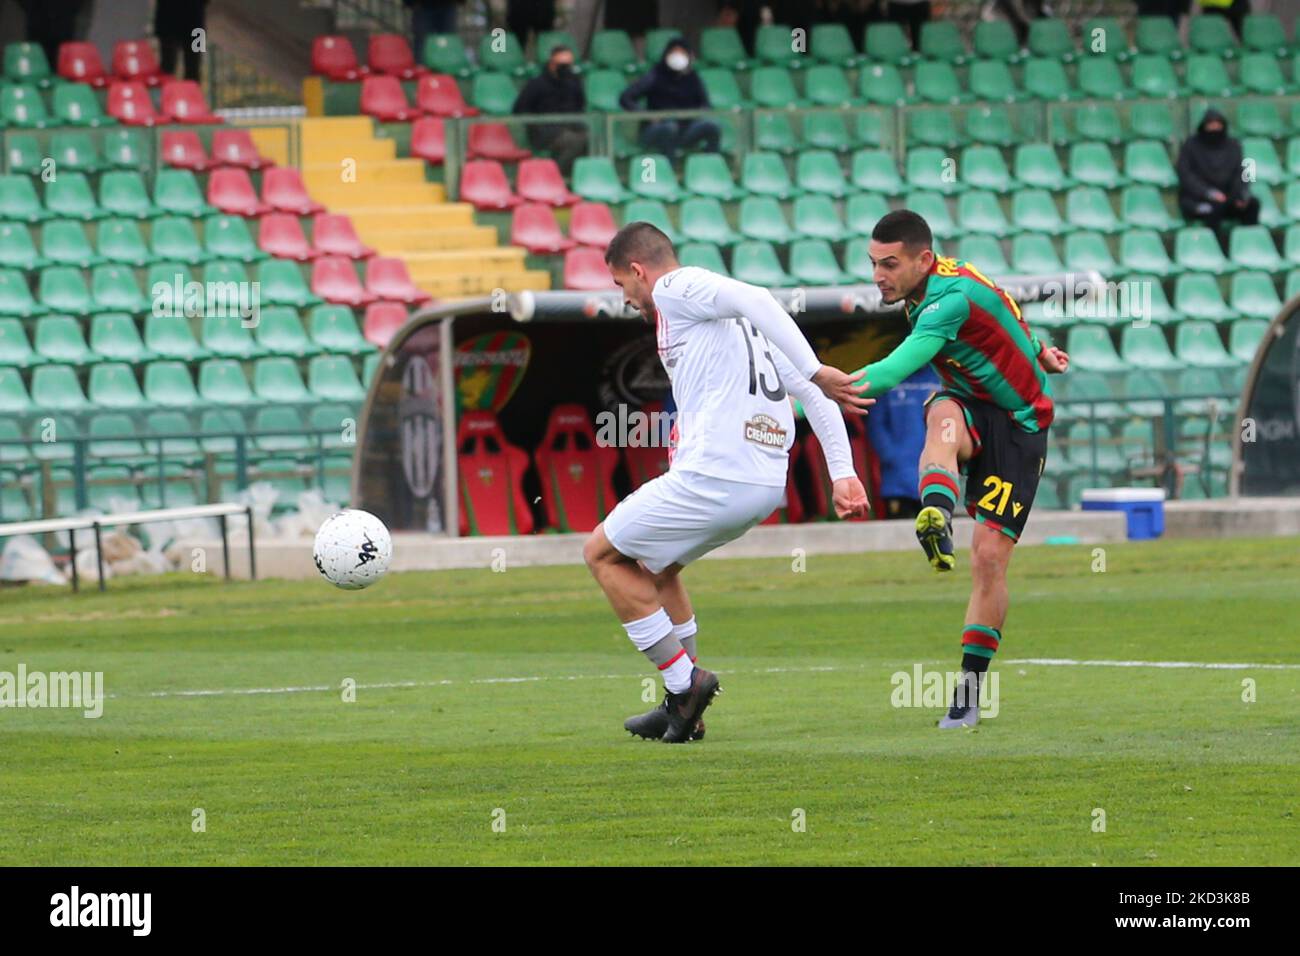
(499, 739)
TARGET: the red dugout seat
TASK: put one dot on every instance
(491, 472)
(647, 461)
(576, 473)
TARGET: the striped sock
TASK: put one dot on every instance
(685, 632)
(978, 645)
(938, 489)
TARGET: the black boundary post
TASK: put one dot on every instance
(252, 553)
(72, 549)
(99, 556)
(225, 546)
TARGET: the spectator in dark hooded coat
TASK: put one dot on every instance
(1212, 184)
(673, 84)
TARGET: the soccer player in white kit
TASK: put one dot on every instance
(735, 358)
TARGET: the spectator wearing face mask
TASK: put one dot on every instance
(556, 89)
(1211, 184)
(673, 84)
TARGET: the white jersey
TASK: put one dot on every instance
(735, 358)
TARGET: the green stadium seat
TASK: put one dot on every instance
(1253, 295)
(1034, 211)
(218, 428)
(651, 176)
(1144, 391)
(1144, 346)
(761, 218)
(772, 87)
(937, 83)
(773, 132)
(14, 399)
(1100, 78)
(16, 297)
(831, 43)
(168, 385)
(125, 148)
(113, 385)
(1260, 73)
(996, 40)
(1244, 337)
(1292, 285)
(1091, 164)
(1268, 167)
(1036, 165)
(222, 382)
(984, 168)
(116, 436)
(113, 289)
(931, 127)
(812, 262)
(1045, 80)
(502, 53)
(979, 211)
(1093, 387)
(930, 168)
(1087, 251)
(1270, 214)
(114, 338)
(705, 255)
(886, 43)
(1151, 121)
(287, 422)
(882, 84)
(613, 50)
(652, 211)
(1034, 254)
(333, 379)
(1157, 307)
(23, 154)
(990, 124)
(281, 332)
(824, 85)
(119, 240)
(1251, 247)
(722, 89)
(1099, 122)
(1050, 38)
(22, 106)
(819, 171)
(815, 217)
(225, 336)
(74, 150)
(18, 199)
(603, 88)
(277, 379)
(173, 237)
(1198, 344)
(1154, 76)
(227, 237)
(63, 289)
(1293, 157)
(990, 81)
(1158, 35)
(17, 251)
(1091, 349)
(820, 131)
(26, 63)
(704, 221)
(1207, 76)
(1211, 34)
(1103, 37)
(283, 284)
(445, 53)
(721, 47)
(492, 93)
(985, 252)
(1205, 384)
(547, 40)
(1142, 250)
(1142, 207)
(334, 329)
(121, 193)
(162, 280)
(15, 349)
(1197, 296)
(58, 339)
(941, 40)
(1147, 162)
(595, 179)
(331, 419)
(863, 211)
(69, 196)
(1197, 250)
(934, 209)
(857, 259)
(1087, 207)
(755, 262)
(765, 174)
(1264, 33)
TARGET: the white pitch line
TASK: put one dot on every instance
(1175, 665)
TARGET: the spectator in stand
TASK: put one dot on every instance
(1211, 182)
(51, 22)
(911, 14)
(525, 17)
(174, 23)
(896, 428)
(1234, 10)
(556, 89)
(430, 16)
(673, 84)
(1019, 13)
(1173, 9)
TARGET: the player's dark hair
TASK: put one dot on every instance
(905, 226)
(640, 242)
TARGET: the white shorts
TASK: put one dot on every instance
(682, 515)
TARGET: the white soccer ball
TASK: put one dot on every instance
(353, 549)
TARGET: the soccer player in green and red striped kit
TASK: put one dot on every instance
(990, 419)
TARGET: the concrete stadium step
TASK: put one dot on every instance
(368, 173)
(450, 262)
(360, 150)
(315, 129)
(373, 221)
(485, 283)
(375, 195)
(403, 242)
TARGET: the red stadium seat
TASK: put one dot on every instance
(280, 234)
(333, 234)
(429, 139)
(80, 63)
(334, 57)
(390, 53)
(533, 226)
(234, 147)
(387, 278)
(183, 102)
(645, 462)
(483, 182)
(231, 191)
(439, 94)
(135, 60)
(183, 149)
(282, 189)
(592, 224)
(334, 279)
(585, 270)
(129, 103)
(383, 319)
(575, 472)
(491, 474)
(540, 181)
(383, 98)
(494, 141)
(790, 511)
(865, 463)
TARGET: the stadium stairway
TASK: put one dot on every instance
(399, 213)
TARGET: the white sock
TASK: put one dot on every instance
(677, 673)
(646, 632)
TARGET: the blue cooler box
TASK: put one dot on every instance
(1145, 508)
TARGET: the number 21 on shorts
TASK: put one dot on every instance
(998, 496)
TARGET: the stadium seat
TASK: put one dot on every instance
(761, 217)
(284, 191)
(1045, 79)
(820, 131)
(494, 141)
(1142, 207)
(501, 53)
(937, 83)
(812, 262)
(227, 237)
(1034, 210)
(387, 278)
(58, 339)
(1251, 247)
(596, 180)
(1090, 349)
(183, 102)
(1104, 37)
(885, 42)
(282, 281)
(703, 255)
(1264, 32)
(14, 399)
(575, 471)
(226, 336)
(831, 43)
(63, 289)
(613, 50)
(1211, 35)
(437, 94)
(931, 127)
(1145, 347)
(334, 329)
(276, 379)
(1050, 37)
(703, 221)
(815, 217)
(75, 104)
(281, 235)
(492, 93)
(592, 224)
(1033, 253)
(1244, 337)
(17, 251)
(332, 378)
(445, 53)
(1088, 251)
(15, 349)
(235, 147)
(483, 183)
(1037, 166)
(114, 289)
(755, 262)
(176, 192)
(129, 103)
(1158, 35)
(707, 174)
(182, 149)
(231, 191)
(881, 84)
(23, 154)
(383, 98)
(826, 85)
(1208, 76)
(382, 321)
(332, 234)
(585, 270)
(1142, 250)
(540, 181)
(772, 87)
(875, 171)
(1154, 76)
(722, 89)
(16, 296)
(653, 212)
(652, 177)
(819, 171)
(79, 62)
(114, 337)
(126, 149)
(64, 242)
(120, 241)
(1197, 296)
(333, 57)
(1268, 168)
(979, 211)
(1197, 343)
(334, 279)
(1196, 249)
(773, 44)
(121, 193)
(167, 384)
(113, 385)
(1088, 207)
(491, 473)
(389, 53)
(429, 139)
(1148, 163)
(134, 61)
(1253, 296)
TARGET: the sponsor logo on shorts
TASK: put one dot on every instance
(766, 431)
